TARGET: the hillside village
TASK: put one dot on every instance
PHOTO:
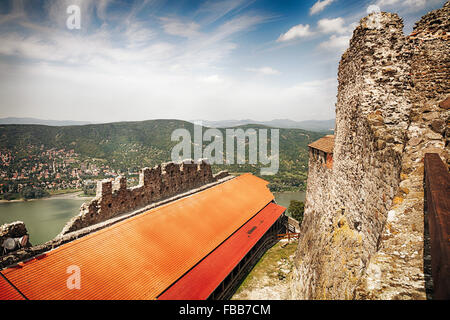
(51, 169)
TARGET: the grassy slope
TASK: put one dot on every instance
(268, 273)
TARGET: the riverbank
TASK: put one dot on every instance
(72, 195)
(78, 195)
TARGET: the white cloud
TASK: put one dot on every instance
(324, 26)
(267, 71)
(137, 35)
(341, 33)
(298, 31)
(320, 6)
(336, 43)
(332, 25)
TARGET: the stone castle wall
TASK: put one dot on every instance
(164, 181)
(348, 207)
(12, 230)
(400, 269)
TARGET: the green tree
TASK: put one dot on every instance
(33, 193)
(8, 196)
(296, 209)
(90, 189)
(40, 193)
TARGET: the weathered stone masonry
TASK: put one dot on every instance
(387, 117)
(399, 269)
(12, 230)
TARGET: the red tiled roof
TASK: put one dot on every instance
(140, 257)
(205, 277)
(7, 292)
(325, 144)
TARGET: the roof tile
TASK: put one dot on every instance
(325, 144)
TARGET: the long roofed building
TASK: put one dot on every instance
(196, 247)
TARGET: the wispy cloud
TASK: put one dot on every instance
(127, 40)
(407, 6)
(176, 27)
(212, 11)
(17, 12)
(296, 32)
(319, 6)
(415, 3)
(267, 71)
(206, 49)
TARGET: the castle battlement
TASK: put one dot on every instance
(113, 197)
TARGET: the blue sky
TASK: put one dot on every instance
(154, 59)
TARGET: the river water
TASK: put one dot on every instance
(44, 219)
(284, 198)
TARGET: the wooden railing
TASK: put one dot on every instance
(437, 206)
(288, 236)
(293, 225)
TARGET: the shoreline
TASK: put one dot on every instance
(67, 196)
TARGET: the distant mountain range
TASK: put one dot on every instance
(55, 123)
(311, 125)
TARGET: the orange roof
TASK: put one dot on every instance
(325, 144)
(7, 292)
(206, 276)
(140, 257)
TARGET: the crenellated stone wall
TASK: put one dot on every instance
(155, 184)
(383, 96)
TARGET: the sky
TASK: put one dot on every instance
(133, 60)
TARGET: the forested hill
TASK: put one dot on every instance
(128, 146)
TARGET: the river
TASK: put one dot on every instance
(44, 218)
(284, 198)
